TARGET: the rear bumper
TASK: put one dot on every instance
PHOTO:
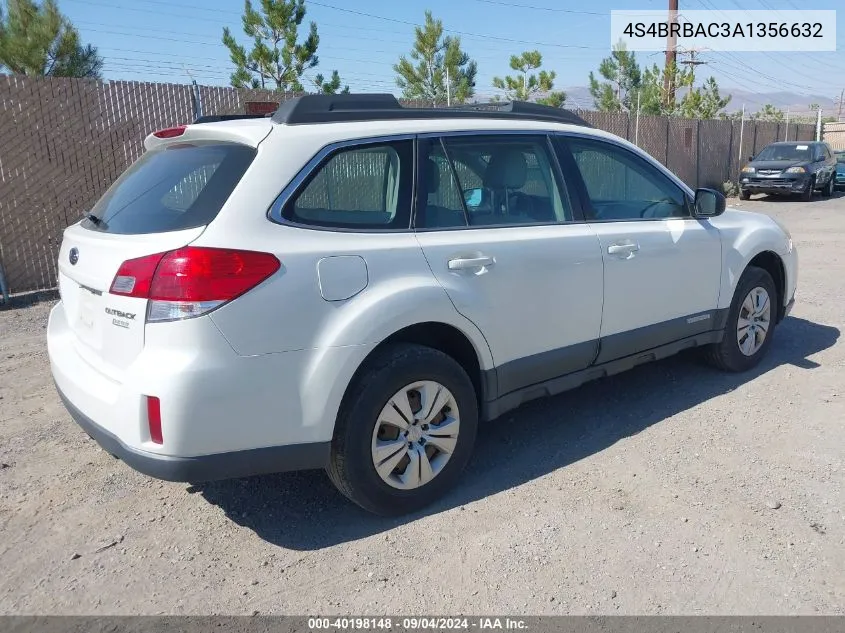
(222, 415)
(244, 463)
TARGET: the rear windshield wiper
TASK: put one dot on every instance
(97, 221)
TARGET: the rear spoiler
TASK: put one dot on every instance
(214, 118)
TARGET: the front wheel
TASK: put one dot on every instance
(827, 192)
(807, 195)
(744, 195)
(406, 430)
(751, 323)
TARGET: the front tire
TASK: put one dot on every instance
(406, 430)
(744, 195)
(807, 195)
(751, 323)
(827, 192)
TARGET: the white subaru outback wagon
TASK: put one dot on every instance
(354, 285)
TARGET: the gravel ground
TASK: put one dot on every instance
(672, 489)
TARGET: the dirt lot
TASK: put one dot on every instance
(651, 492)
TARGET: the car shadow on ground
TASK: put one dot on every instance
(303, 511)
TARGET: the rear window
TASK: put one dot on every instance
(179, 187)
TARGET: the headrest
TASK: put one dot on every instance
(432, 176)
(507, 169)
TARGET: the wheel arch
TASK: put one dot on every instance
(772, 263)
(446, 338)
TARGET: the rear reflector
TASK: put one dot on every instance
(154, 419)
(193, 280)
(171, 132)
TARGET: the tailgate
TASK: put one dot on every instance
(109, 329)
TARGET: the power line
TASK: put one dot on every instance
(355, 12)
(551, 9)
(464, 33)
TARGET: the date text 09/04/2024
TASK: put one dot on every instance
(416, 623)
(723, 29)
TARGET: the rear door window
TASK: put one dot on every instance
(364, 186)
(181, 186)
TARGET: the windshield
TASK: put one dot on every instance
(786, 152)
(180, 187)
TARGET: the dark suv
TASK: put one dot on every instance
(795, 167)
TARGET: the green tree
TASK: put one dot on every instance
(687, 100)
(278, 59)
(526, 85)
(653, 97)
(768, 113)
(330, 87)
(705, 102)
(433, 60)
(622, 80)
(39, 40)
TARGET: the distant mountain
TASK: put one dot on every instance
(579, 97)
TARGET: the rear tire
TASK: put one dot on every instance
(738, 352)
(431, 459)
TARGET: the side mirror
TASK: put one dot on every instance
(708, 203)
(473, 197)
(750, 159)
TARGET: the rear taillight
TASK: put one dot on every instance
(191, 281)
(154, 419)
(171, 132)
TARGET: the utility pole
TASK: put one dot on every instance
(448, 89)
(786, 134)
(819, 125)
(671, 56)
(741, 130)
(841, 101)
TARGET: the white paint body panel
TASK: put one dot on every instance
(544, 291)
(271, 367)
(675, 272)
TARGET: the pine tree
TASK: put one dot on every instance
(622, 80)
(278, 60)
(526, 86)
(433, 59)
(39, 40)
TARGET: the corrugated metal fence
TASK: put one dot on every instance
(64, 141)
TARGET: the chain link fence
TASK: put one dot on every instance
(64, 141)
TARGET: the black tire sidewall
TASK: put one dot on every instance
(751, 278)
(407, 364)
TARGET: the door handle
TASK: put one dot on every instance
(465, 263)
(623, 249)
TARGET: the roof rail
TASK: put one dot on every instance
(385, 107)
(214, 118)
